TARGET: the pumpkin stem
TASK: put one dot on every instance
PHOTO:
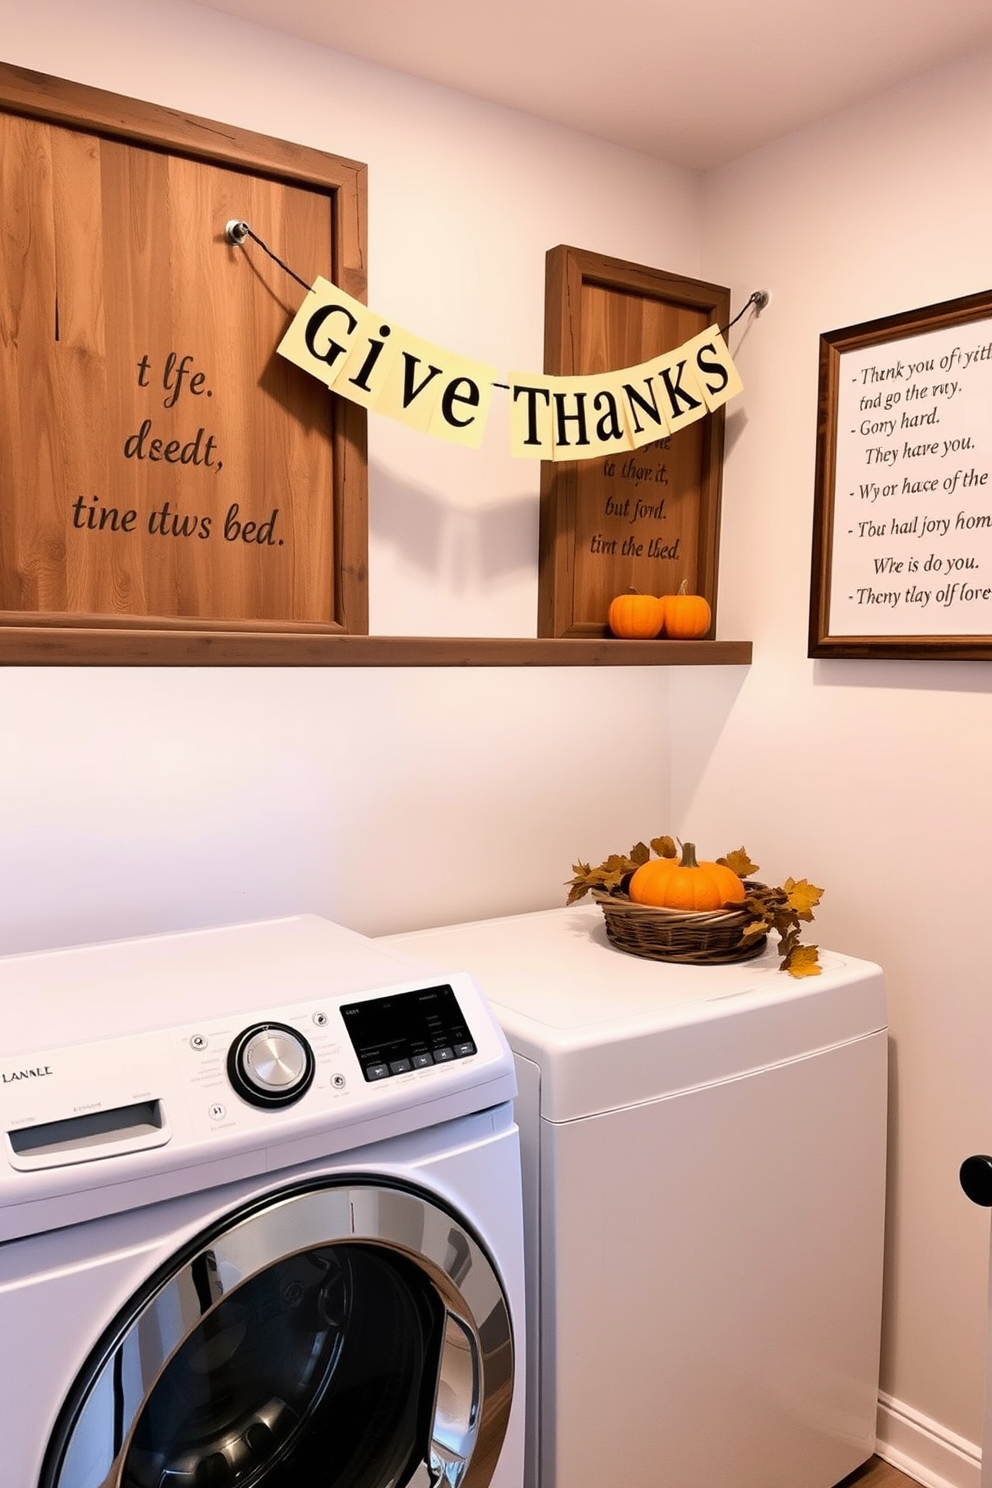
(688, 859)
(684, 587)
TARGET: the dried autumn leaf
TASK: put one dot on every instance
(756, 927)
(639, 853)
(611, 873)
(763, 902)
(585, 878)
(738, 862)
(607, 875)
(802, 896)
(665, 847)
(788, 938)
(802, 961)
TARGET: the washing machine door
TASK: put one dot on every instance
(352, 1336)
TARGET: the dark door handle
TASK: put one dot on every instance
(976, 1179)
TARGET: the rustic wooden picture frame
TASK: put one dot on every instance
(123, 537)
(902, 517)
(606, 314)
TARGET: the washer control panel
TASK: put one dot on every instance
(220, 1077)
(407, 1031)
(210, 1055)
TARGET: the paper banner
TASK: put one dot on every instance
(587, 417)
(370, 361)
(644, 406)
(321, 333)
(716, 374)
(531, 436)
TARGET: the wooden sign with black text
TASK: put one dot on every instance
(646, 518)
(162, 470)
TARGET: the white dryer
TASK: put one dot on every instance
(704, 1161)
(260, 1218)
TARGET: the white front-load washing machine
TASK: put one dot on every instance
(260, 1218)
(704, 1193)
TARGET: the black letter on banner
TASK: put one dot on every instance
(532, 395)
(675, 390)
(409, 391)
(375, 348)
(563, 418)
(452, 395)
(609, 426)
(313, 326)
(651, 409)
(717, 367)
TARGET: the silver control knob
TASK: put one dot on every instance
(274, 1060)
(270, 1064)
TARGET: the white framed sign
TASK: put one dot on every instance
(902, 539)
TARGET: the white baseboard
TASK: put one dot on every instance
(924, 1449)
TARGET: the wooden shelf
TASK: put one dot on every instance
(72, 646)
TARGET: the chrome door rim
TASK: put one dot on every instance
(478, 1353)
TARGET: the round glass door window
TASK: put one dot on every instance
(333, 1345)
(333, 1338)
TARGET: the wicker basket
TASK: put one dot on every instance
(697, 937)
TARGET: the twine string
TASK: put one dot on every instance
(237, 231)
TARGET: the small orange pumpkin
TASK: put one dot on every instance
(670, 883)
(635, 616)
(686, 616)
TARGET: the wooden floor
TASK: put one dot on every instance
(878, 1474)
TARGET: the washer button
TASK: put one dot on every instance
(400, 1066)
(462, 1051)
(320, 1019)
(421, 1061)
(198, 1042)
(217, 1111)
(441, 1056)
(338, 1081)
(376, 1071)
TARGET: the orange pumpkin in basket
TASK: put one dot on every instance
(670, 883)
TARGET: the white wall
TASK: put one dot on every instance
(137, 800)
(870, 777)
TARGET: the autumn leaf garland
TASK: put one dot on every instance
(783, 909)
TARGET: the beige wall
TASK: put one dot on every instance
(133, 801)
(871, 777)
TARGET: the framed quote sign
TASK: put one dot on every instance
(645, 518)
(170, 489)
(902, 539)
